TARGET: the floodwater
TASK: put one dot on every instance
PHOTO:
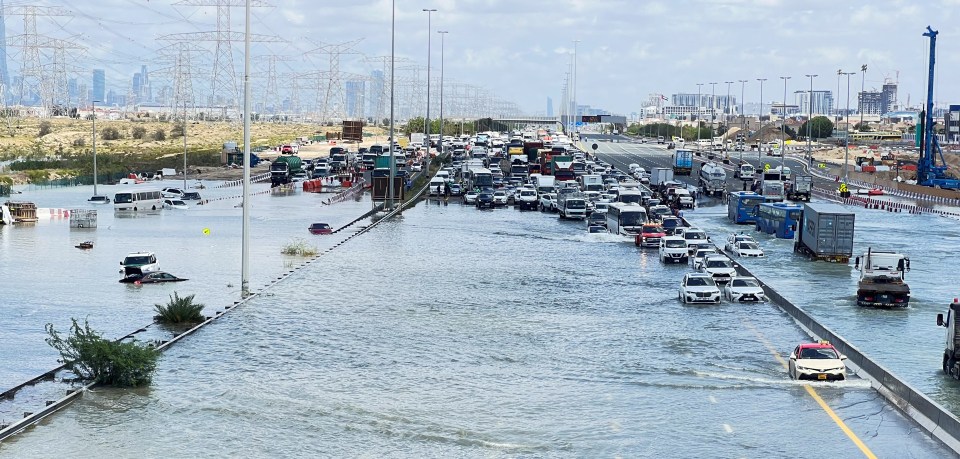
(447, 332)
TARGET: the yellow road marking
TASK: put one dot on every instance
(813, 393)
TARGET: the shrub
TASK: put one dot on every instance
(109, 133)
(80, 142)
(177, 130)
(299, 247)
(179, 310)
(159, 135)
(45, 128)
(90, 356)
(138, 132)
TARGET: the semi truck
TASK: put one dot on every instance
(283, 169)
(682, 162)
(771, 186)
(799, 187)
(825, 232)
(881, 281)
(713, 179)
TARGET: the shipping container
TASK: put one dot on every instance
(826, 232)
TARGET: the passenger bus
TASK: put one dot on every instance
(742, 206)
(136, 200)
(626, 219)
(479, 178)
(779, 218)
(630, 196)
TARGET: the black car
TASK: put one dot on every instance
(155, 277)
(485, 200)
(190, 196)
(670, 224)
(596, 229)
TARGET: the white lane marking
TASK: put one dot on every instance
(728, 428)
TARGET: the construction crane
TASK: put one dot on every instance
(928, 172)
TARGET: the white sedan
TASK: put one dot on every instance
(817, 361)
(747, 249)
(734, 238)
(470, 197)
(743, 289)
(174, 204)
(499, 198)
(698, 288)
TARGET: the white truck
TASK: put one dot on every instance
(951, 350)
(572, 205)
(882, 279)
(591, 182)
(713, 179)
(545, 184)
(660, 175)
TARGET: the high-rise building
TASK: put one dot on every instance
(137, 85)
(888, 97)
(952, 121)
(870, 103)
(99, 85)
(549, 106)
(375, 99)
(822, 102)
(706, 100)
(73, 91)
(354, 96)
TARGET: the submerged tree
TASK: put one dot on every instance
(92, 357)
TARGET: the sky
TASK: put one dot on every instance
(521, 50)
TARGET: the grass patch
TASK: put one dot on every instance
(90, 356)
(179, 310)
(300, 248)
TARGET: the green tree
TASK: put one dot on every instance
(820, 127)
(138, 132)
(159, 135)
(45, 128)
(90, 356)
(862, 127)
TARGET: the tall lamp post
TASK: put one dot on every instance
(443, 33)
(713, 106)
(783, 124)
(426, 122)
(94, 102)
(726, 109)
(743, 119)
(245, 231)
(699, 86)
(846, 138)
(760, 120)
(810, 117)
(393, 48)
(184, 144)
(863, 79)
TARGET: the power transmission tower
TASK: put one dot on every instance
(381, 89)
(179, 58)
(224, 91)
(34, 82)
(334, 102)
(270, 101)
(59, 92)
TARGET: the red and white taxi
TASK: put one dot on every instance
(817, 361)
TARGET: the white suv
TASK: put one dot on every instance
(139, 263)
(698, 288)
(673, 249)
(720, 268)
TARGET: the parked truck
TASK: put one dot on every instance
(283, 169)
(572, 205)
(882, 279)
(682, 162)
(591, 182)
(660, 175)
(825, 232)
(951, 350)
(799, 187)
(713, 179)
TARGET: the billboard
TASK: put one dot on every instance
(353, 130)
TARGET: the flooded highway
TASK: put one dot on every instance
(446, 332)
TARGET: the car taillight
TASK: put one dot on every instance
(868, 298)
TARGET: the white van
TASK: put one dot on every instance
(436, 186)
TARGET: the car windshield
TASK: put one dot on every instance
(179, 203)
(694, 235)
(676, 244)
(821, 353)
(123, 198)
(718, 264)
(745, 283)
(749, 245)
(699, 282)
(136, 260)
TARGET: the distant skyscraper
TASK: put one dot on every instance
(99, 85)
(354, 95)
(549, 106)
(137, 85)
(888, 97)
(376, 93)
(822, 102)
(870, 103)
(4, 75)
(73, 91)
(146, 92)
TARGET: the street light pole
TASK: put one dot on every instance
(94, 102)
(783, 124)
(574, 84)
(846, 142)
(726, 110)
(393, 48)
(699, 86)
(810, 117)
(760, 120)
(245, 230)
(184, 144)
(713, 105)
(426, 122)
(443, 34)
(863, 79)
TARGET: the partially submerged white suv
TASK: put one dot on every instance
(139, 263)
(673, 249)
(719, 267)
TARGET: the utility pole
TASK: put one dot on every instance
(863, 79)
(443, 34)
(846, 138)
(743, 120)
(713, 113)
(575, 43)
(783, 124)
(810, 118)
(760, 120)
(245, 231)
(699, 86)
(393, 48)
(426, 122)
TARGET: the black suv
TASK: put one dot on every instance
(485, 200)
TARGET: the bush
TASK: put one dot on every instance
(177, 130)
(138, 132)
(179, 310)
(109, 133)
(90, 356)
(159, 135)
(80, 142)
(299, 247)
(45, 128)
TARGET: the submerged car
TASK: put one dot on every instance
(734, 238)
(698, 288)
(191, 196)
(720, 267)
(747, 249)
(499, 198)
(155, 277)
(320, 228)
(174, 204)
(485, 200)
(818, 361)
(99, 199)
(139, 263)
(743, 290)
(456, 189)
(596, 229)
(470, 197)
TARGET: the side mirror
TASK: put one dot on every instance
(843, 357)
(121, 263)
(940, 322)
(856, 263)
(793, 356)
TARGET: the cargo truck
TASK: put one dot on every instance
(881, 281)
(825, 232)
(951, 350)
(682, 162)
(799, 187)
(283, 169)
(572, 205)
(591, 182)
(660, 175)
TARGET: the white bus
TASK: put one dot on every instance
(626, 219)
(136, 200)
